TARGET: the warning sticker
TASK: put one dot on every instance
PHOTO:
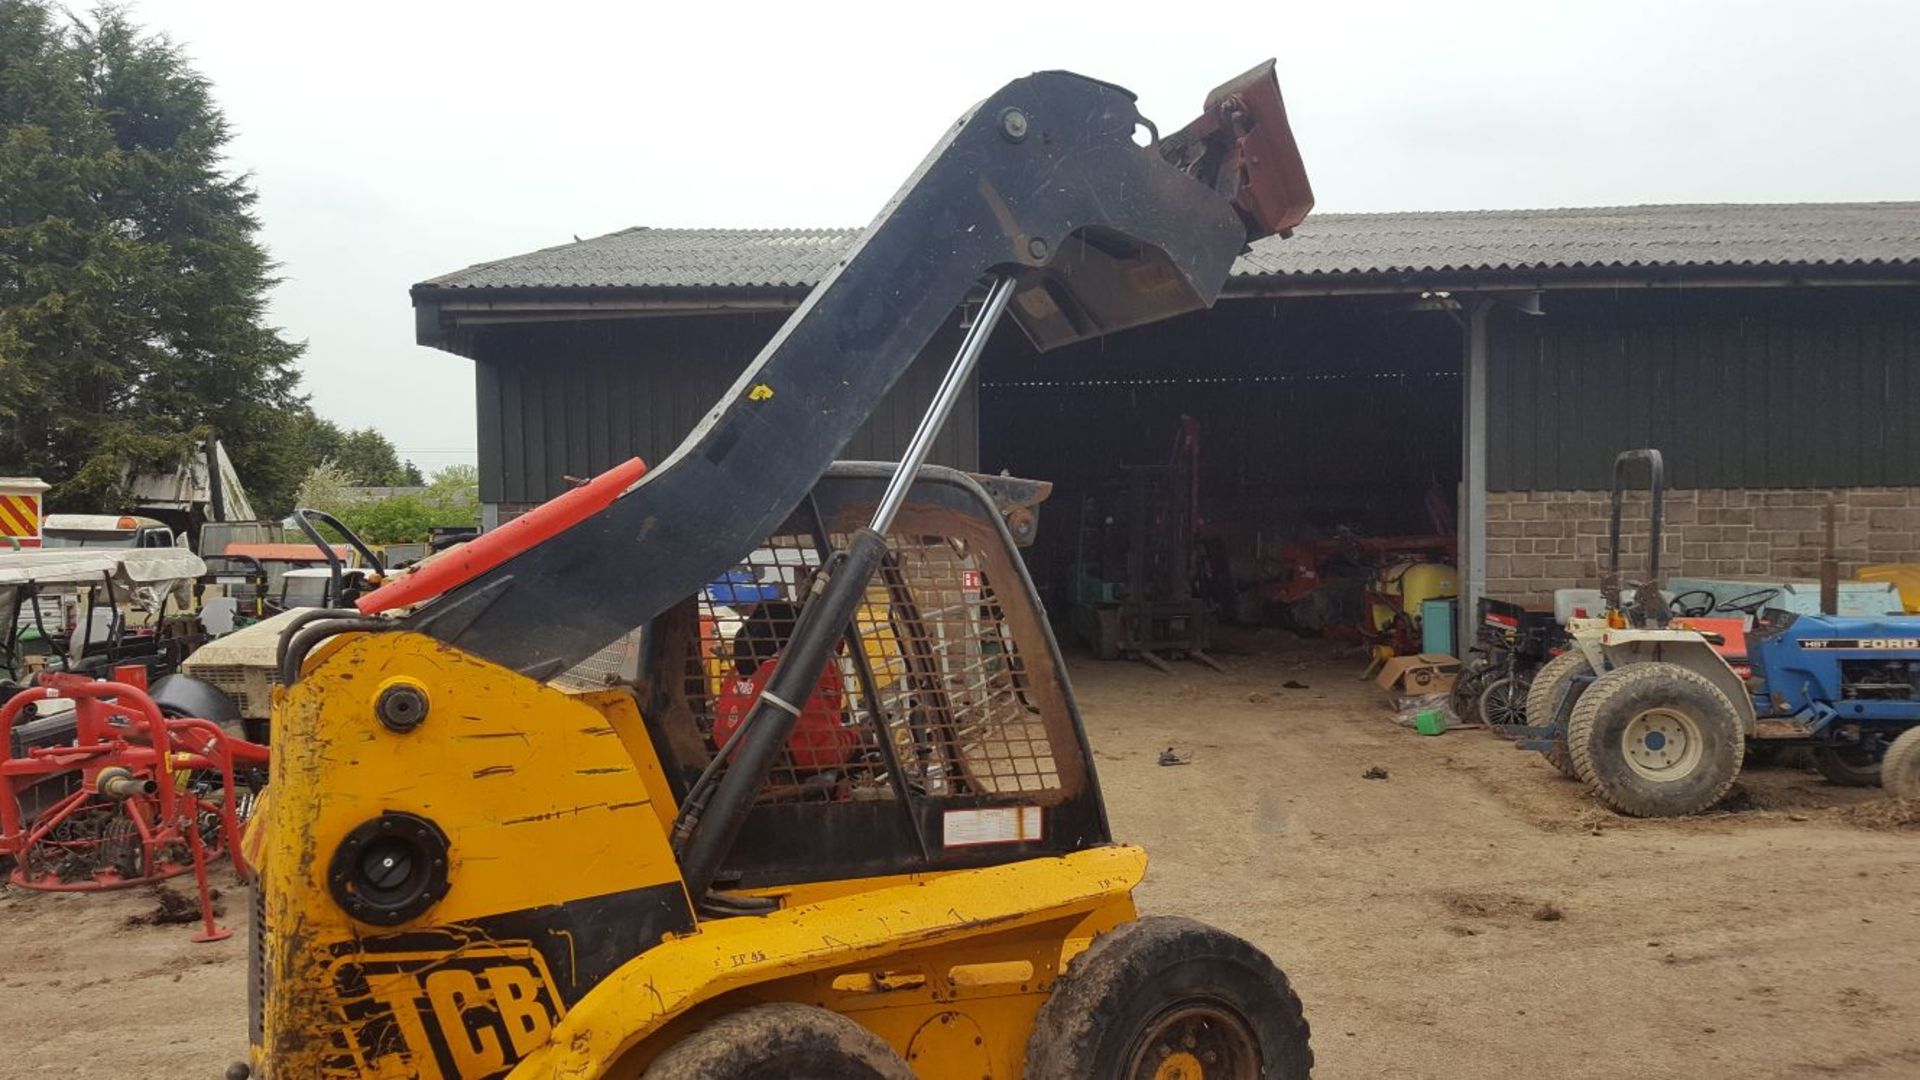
(994, 825)
(20, 519)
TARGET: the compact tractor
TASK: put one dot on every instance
(1658, 702)
(845, 821)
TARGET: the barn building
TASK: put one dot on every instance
(1383, 374)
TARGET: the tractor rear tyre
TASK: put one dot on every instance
(1847, 766)
(1551, 684)
(1655, 740)
(780, 1042)
(1900, 769)
(1167, 996)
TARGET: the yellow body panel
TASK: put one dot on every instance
(894, 958)
(556, 813)
(534, 789)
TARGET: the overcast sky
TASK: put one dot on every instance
(394, 141)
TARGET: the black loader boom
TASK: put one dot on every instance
(1042, 196)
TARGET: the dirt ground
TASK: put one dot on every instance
(1471, 915)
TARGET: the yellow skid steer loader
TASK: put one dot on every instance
(846, 821)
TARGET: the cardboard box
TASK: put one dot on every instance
(1427, 673)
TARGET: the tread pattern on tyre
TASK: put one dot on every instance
(1068, 1030)
(1625, 680)
(1832, 763)
(1900, 769)
(1543, 701)
(777, 1041)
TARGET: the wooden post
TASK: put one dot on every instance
(1830, 566)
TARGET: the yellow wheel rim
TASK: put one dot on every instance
(1181, 1066)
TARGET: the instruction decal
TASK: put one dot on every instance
(992, 825)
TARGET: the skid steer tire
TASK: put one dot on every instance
(1655, 740)
(1550, 686)
(1900, 769)
(780, 1042)
(1847, 766)
(1166, 992)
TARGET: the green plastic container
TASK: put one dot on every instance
(1430, 721)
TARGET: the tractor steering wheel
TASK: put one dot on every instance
(1750, 603)
(1692, 611)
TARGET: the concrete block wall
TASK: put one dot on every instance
(1539, 541)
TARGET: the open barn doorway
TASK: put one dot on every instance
(1284, 459)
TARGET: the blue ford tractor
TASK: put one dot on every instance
(1653, 712)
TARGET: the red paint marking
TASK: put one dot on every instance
(463, 562)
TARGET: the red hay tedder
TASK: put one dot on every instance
(155, 798)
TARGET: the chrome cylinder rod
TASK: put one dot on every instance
(942, 406)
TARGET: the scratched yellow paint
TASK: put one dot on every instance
(548, 797)
(1043, 911)
(534, 789)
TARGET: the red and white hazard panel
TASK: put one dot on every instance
(20, 512)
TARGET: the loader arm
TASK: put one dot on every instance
(1044, 184)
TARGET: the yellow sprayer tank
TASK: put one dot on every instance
(1412, 583)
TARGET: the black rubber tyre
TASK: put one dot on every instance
(1550, 686)
(1655, 740)
(780, 1042)
(57, 729)
(1848, 766)
(1160, 987)
(183, 695)
(1900, 769)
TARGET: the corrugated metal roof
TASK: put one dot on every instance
(667, 259)
(1691, 236)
